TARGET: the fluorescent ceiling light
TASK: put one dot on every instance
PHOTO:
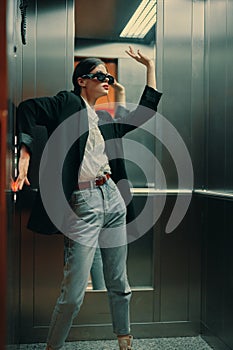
(142, 20)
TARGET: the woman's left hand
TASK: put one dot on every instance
(139, 57)
(147, 62)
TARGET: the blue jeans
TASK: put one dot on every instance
(97, 275)
(100, 220)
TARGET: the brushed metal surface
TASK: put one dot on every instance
(217, 305)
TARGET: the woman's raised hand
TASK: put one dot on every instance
(146, 61)
(139, 57)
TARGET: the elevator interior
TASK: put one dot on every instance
(182, 281)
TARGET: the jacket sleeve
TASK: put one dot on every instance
(126, 121)
(42, 111)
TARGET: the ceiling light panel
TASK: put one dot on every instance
(142, 20)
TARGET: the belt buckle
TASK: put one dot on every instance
(100, 180)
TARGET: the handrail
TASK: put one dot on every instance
(214, 193)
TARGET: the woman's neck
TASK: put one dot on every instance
(90, 100)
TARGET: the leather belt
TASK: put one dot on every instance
(99, 181)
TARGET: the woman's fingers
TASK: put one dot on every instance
(138, 56)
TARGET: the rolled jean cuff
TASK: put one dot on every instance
(122, 331)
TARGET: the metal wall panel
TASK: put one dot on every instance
(198, 123)
(217, 304)
(219, 82)
(180, 66)
(228, 96)
(46, 68)
(175, 78)
(217, 270)
(216, 66)
(177, 270)
(227, 272)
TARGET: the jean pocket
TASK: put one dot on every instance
(81, 197)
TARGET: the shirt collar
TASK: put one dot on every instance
(90, 111)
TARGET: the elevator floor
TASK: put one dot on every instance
(181, 343)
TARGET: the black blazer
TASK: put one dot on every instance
(51, 112)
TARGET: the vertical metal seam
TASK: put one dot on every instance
(225, 99)
(206, 89)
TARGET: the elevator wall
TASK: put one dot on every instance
(217, 202)
(194, 54)
(40, 63)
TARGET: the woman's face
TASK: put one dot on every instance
(95, 88)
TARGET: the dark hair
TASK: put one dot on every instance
(85, 66)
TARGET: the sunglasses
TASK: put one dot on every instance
(100, 76)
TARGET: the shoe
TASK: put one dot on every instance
(125, 343)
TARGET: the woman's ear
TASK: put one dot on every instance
(81, 82)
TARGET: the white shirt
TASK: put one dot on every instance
(95, 161)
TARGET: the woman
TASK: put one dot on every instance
(91, 170)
